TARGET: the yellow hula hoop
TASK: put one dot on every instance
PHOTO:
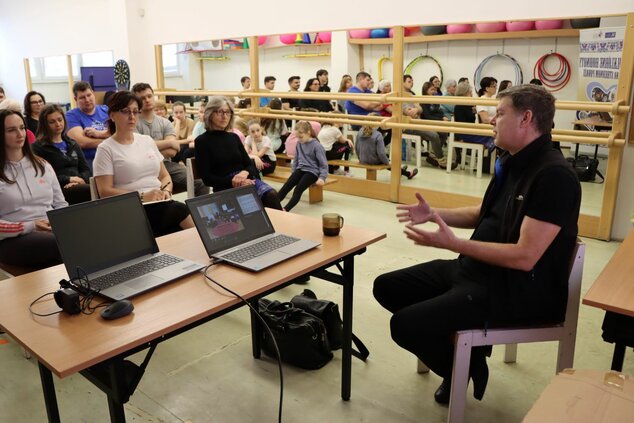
(416, 60)
(380, 65)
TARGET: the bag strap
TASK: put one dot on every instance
(362, 353)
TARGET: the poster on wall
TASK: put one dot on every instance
(600, 51)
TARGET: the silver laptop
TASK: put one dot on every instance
(235, 228)
(110, 242)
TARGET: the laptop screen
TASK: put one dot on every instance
(229, 218)
(99, 234)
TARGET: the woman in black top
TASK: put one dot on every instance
(63, 154)
(321, 105)
(33, 103)
(465, 113)
(222, 159)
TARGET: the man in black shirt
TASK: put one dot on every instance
(513, 270)
(322, 75)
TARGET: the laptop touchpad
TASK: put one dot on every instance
(144, 282)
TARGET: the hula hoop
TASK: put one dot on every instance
(380, 65)
(410, 66)
(554, 81)
(519, 76)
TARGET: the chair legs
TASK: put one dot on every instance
(460, 378)
(510, 353)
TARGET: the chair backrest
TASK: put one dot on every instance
(192, 173)
(574, 284)
(94, 192)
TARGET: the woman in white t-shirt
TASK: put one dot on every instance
(488, 87)
(260, 146)
(128, 161)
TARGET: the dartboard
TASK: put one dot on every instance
(122, 75)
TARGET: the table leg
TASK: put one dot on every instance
(618, 357)
(256, 329)
(118, 394)
(48, 386)
(346, 348)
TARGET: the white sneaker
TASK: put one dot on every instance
(339, 172)
(348, 174)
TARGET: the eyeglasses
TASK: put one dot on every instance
(37, 102)
(129, 112)
(222, 112)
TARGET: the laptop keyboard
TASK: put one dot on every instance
(131, 272)
(260, 248)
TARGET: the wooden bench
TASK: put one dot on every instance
(283, 159)
(370, 170)
(315, 192)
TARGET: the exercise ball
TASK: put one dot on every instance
(459, 28)
(379, 33)
(411, 30)
(433, 29)
(262, 39)
(406, 32)
(549, 24)
(491, 27)
(585, 23)
(520, 25)
(359, 33)
(325, 37)
(288, 38)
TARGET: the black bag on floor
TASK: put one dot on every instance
(301, 337)
(587, 169)
(328, 312)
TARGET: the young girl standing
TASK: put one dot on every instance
(260, 146)
(309, 167)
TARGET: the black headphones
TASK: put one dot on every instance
(67, 298)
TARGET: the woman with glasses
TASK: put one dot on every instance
(222, 159)
(28, 188)
(488, 87)
(64, 154)
(313, 85)
(128, 161)
(33, 103)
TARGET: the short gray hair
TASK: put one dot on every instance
(383, 83)
(450, 83)
(463, 89)
(216, 103)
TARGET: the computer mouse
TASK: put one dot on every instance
(117, 309)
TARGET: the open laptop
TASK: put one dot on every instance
(235, 228)
(110, 241)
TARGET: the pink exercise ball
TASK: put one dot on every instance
(491, 27)
(549, 24)
(520, 25)
(288, 38)
(325, 37)
(459, 28)
(359, 33)
(262, 39)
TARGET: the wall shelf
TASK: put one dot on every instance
(505, 35)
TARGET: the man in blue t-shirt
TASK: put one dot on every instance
(87, 123)
(362, 86)
(269, 84)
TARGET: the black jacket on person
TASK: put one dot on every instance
(320, 105)
(73, 163)
(538, 295)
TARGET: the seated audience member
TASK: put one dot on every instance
(291, 142)
(322, 76)
(536, 81)
(87, 123)
(260, 146)
(309, 167)
(162, 132)
(221, 158)
(64, 155)
(199, 129)
(513, 271)
(466, 113)
(8, 104)
(371, 150)
(435, 82)
(160, 108)
(357, 107)
(291, 103)
(385, 87)
(488, 86)
(128, 161)
(28, 188)
(33, 103)
(408, 84)
(336, 146)
(450, 89)
(241, 102)
(275, 129)
(312, 85)
(433, 112)
(184, 127)
(344, 86)
(504, 85)
(269, 85)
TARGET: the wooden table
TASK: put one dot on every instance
(97, 348)
(613, 290)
